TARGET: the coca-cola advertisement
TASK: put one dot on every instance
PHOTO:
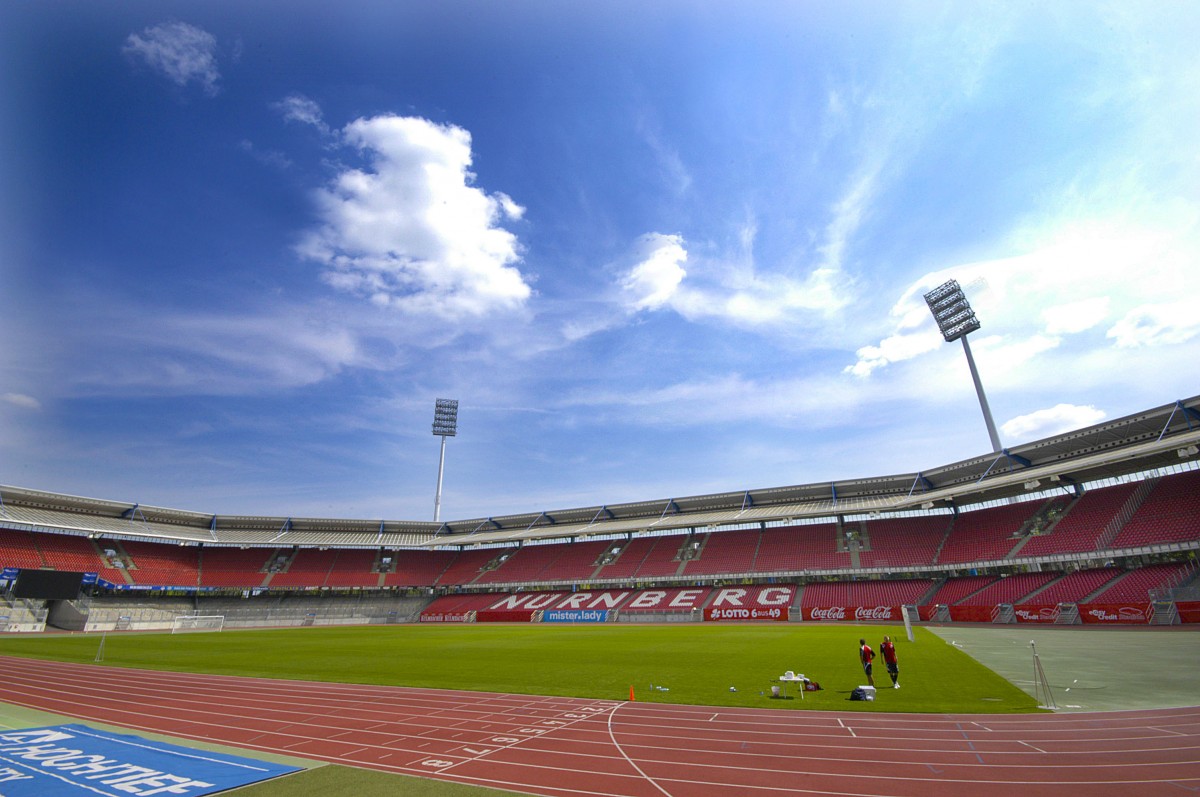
(1030, 613)
(1115, 613)
(855, 613)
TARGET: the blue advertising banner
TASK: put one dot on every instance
(75, 760)
(575, 616)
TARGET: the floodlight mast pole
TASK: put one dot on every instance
(983, 402)
(445, 424)
(437, 498)
(956, 320)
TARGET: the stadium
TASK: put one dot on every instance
(719, 523)
(1097, 528)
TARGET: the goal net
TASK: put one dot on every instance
(184, 623)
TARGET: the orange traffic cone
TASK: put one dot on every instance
(631, 697)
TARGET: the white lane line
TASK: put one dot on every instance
(612, 735)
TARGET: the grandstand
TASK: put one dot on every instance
(1108, 513)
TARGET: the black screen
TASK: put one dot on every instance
(52, 585)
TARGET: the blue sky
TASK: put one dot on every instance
(655, 249)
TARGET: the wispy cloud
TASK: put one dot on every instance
(657, 272)
(267, 157)
(298, 108)
(181, 52)
(1051, 421)
(1160, 324)
(723, 290)
(1076, 278)
(21, 400)
(411, 231)
(185, 353)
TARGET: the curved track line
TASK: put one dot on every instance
(621, 750)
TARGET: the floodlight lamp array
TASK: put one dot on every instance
(445, 417)
(951, 310)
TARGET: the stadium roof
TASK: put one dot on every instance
(1158, 438)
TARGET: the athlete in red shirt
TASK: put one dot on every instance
(889, 658)
(866, 656)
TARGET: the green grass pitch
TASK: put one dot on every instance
(685, 663)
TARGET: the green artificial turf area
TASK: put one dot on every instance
(334, 781)
(686, 663)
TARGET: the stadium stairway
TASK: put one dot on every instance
(126, 576)
(797, 602)
(1032, 596)
(933, 590)
(1118, 523)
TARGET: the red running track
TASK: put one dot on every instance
(564, 746)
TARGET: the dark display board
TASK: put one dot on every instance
(51, 585)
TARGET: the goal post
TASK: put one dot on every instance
(186, 623)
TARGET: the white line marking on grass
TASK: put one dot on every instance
(612, 735)
(847, 727)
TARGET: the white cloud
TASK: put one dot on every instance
(21, 400)
(1158, 324)
(1072, 278)
(412, 232)
(894, 348)
(729, 291)
(1054, 420)
(1075, 317)
(181, 52)
(298, 108)
(657, 273)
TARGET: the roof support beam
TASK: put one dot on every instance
(1189, 414)
(1017, 458)
(287, 527)
(133, 512)
(921, 480)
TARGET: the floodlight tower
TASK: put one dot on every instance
(445, 424)
(956, 320)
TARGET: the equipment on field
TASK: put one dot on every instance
(186, 623)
